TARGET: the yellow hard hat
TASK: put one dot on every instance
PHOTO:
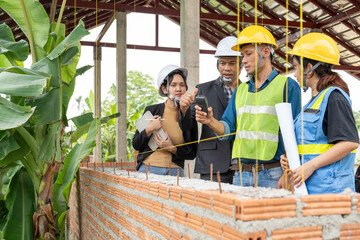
(254, 34)
(317, 46)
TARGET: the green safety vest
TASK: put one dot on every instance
(257, 126)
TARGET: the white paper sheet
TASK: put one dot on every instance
(143, 122)
(286, 122)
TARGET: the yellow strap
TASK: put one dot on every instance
(315, 148)
(316, 105)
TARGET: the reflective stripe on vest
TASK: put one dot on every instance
(256, 110)
(315, 148)
(257, 125)
(316, 104)
(257, 135)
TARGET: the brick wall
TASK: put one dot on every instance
(108, 206)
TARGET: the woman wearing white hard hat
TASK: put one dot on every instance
(172, 85)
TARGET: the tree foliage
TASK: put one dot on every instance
(141, 92)
(32, 119)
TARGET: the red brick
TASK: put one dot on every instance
(203, 199)
(185, 237)
(326, 204)
(137, 184)
(163, 191)
(155, 225)
(141, 234)
(267, 208)
(174, 235)
(195, 222)
(224, 203)
(154, 189)
(358, 204)
(149, 204)
(145, 187)
(350, 231)
(180, 216)
(175, 193)
(313, 232)
(146, 221)
(130, 183)
(261, 235)
(164, 231)
(168, 212)
(212, 228)
(134, 199)
(157, 208)
(141, 202)
(188, 196)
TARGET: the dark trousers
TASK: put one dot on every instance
(226, 177)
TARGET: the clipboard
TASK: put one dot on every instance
(143, 122)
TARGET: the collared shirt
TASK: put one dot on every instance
(293, 96)
(228, 92)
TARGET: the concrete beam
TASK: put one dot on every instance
(97, 99)
(121, 154)
(190, 35)
(189, 50)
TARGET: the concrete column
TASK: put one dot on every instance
(121, 86)
(189, 50)
(190, 36)
(97, 100)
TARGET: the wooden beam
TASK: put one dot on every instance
(105, 28)
(293, 37)
(176, 13)
(142, 47)
(339, 17)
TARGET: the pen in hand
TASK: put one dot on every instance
(162, 119)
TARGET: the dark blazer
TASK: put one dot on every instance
(215, 151)
(140, 141)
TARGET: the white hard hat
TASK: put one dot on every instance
(223, 48)
(165, 72)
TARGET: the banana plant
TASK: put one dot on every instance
(33, 106)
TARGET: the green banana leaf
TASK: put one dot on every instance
(4, 63)
(62, 185)
(48, 147)
(7, 145)
(47, 107)
(68, 55)
(50, 68)
(53, 38)
(82, 119)
(84, 128)
(12, 115)
(21, 84)
(82, 70)
(31, 17)
(22, 70)
(3, 133)
(3, 214)
(67, 92)
(90, 101)
(72, 40)
(68, 71)
(12, 50)
(20, 203)
(14, 156)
